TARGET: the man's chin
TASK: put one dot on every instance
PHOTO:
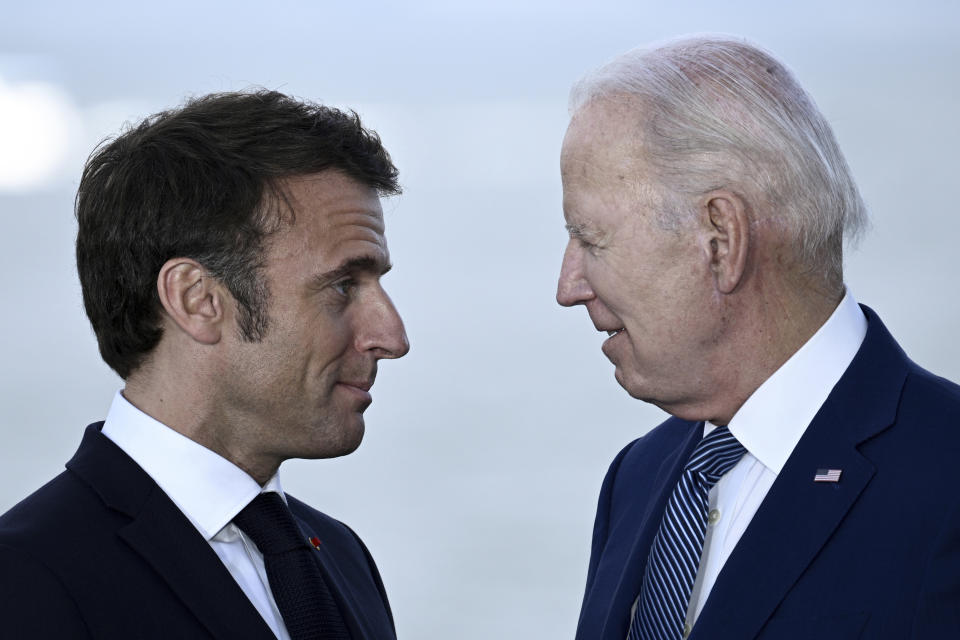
(676, 406)
(345, 450)
(635, 388)
(629, 386)
(344, 441)
(351, 437)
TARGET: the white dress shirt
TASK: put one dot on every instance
(769, 425)
(208, 489)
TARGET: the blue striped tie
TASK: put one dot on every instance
(675, 554)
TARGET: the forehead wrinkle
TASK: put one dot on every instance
(608, 184)
(609, 131)
(371, 218)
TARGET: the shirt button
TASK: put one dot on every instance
(714, 516)
(686, 629)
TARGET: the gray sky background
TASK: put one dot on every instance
(475, 486)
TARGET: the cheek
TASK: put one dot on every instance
(625, 290)
(328, 343)
(606, 278)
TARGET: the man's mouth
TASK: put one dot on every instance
(363, 385)
(613, 332)
(359, 389)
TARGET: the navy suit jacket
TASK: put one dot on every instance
(876, 555)
(102, 552)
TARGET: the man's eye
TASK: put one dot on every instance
(589, 246)
(344, 287)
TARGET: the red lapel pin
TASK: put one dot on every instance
(315, 541)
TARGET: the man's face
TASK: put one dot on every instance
(302, 390)
(650, 287)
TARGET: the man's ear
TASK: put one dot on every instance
(729, 235)
(193, 299)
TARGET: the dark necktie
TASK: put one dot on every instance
(675, 554)
(303, 598)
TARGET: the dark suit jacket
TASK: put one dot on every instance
(102, 552)
(876, 555)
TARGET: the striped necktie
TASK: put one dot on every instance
(661, 609)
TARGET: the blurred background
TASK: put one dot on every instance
(476, 484)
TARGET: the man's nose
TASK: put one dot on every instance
(573, 288)
(383, 333)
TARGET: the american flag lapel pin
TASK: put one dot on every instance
(827, 475)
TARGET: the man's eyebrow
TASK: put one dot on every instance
(362, 264)
(579, 231)
(575, 230)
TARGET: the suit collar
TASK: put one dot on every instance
(816, 367)
(163, 537)
(798, 516)
(119, 482)
(209, 489)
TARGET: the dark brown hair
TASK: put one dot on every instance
(202, 181)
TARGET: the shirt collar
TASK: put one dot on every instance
(775, 417)
(209, 489)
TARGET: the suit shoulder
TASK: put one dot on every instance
(39, 537)
(642, 460)
(667, 436)
(34, 602)
(62, 504)
(930, 406)
(936, 392)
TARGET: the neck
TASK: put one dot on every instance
(767, 326)
(183, 401)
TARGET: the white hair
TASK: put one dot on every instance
(716, 111)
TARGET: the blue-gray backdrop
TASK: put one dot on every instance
(476, 484)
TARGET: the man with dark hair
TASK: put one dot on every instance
(230, 255)
(803, 486)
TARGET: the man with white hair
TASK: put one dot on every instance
(802, 487)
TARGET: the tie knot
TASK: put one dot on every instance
(715, 454)
(269, 523)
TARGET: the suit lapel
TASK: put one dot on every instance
(616, 622)
(160, 533)
(179, 554)
(798, 515)
(793, 523)
(350, 608)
